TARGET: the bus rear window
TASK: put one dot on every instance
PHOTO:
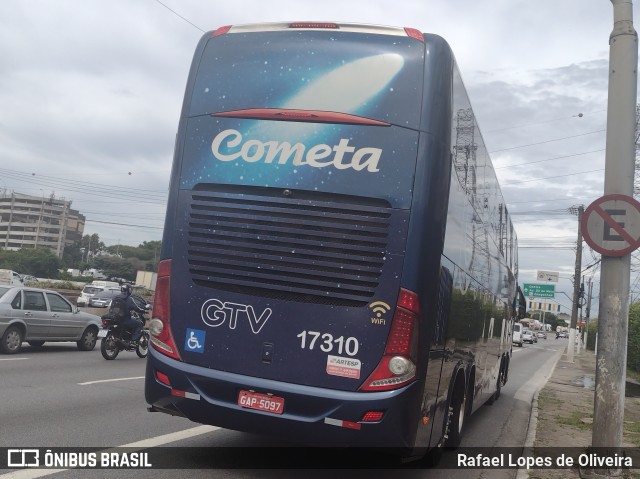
(373, 76)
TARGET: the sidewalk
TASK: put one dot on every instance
(562, 413)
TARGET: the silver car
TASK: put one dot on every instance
(38, 315)
(102, 300)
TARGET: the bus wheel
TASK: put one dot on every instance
(505, 375)
(456, 419)
(499, 385)
(494, 397)
(432, 457)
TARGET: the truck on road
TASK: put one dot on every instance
(10, 277)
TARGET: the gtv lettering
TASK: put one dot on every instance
(215, 313)
(342, 156)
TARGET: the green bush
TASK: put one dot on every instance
(54, 285)
(633, 343)
(591, 337)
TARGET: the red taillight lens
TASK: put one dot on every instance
(372, 416)
(105, 323)
(159, 327)
(414, 33)
(163, 378)
(401, 335)
(409, 300)
(313, 25)
(397, 367)
(221, 31)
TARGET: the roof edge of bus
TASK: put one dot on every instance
(343, 27)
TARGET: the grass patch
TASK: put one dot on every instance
(575, 420)
(548, 400)
(635, 375)
(632, 432)
(632, 427)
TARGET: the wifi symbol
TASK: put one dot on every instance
(379, 307)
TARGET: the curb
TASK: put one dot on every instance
(533, 419)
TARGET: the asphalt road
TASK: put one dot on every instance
(57, 396)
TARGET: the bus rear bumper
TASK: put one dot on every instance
(311, 416)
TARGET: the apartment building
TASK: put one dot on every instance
(38, 222)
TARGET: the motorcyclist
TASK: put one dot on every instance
(132, 324)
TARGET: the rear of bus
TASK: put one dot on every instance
(285, 302)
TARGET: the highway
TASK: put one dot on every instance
(57, 396)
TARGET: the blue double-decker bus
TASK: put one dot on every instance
(338, 267)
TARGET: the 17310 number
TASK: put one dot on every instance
(327, 343)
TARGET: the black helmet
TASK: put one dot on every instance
(126, 289)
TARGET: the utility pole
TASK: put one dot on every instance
(613, 313)
(581, 327)
(588, 313)
(576, 285)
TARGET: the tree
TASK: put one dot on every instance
(72, 256)
(91, 244)
(148, 253)
(115, 267)
(39, 262)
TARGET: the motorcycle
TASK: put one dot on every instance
(116, 338)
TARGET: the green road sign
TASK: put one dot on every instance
(532, 290)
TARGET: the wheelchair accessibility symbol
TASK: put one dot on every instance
(194, 340)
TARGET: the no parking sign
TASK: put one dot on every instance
(611, 225)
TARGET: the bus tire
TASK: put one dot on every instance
(505, 375)
(456, 416)
(432, 457)
(499, 382)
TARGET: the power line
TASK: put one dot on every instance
(554, 199)
(551, 177)
(125, 224)
(579, 115)
(549, 159)
(95, 190)
(178, 15)
(563, 211)
(548, 141)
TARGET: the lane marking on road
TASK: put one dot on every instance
(109, 380)
(539, 378)
(138, 445)
(12, 359)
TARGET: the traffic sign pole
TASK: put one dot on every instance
(608, 414)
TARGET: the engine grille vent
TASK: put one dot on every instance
(287, 244)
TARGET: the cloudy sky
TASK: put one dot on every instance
(90, 94)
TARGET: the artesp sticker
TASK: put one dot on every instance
(344, 367)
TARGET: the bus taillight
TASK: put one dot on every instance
(313, 25)
(398, 365)
(221, 31)
(414, 33)
(161, 337)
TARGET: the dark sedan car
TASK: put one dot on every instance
(38, 315)
(102, 300)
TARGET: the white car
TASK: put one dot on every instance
(527, 336)
(517, 334)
